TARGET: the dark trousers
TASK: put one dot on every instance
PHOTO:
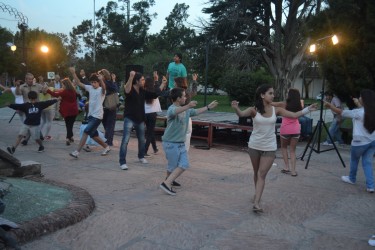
(69, 122)
(109, 121)
(150, 131)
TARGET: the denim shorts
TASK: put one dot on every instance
(92, 126)
(176, 155)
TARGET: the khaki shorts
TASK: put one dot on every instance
(33, 130)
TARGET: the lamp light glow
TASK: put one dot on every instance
(44, 49)
(335, 40)
(312, 48)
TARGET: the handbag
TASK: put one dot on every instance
(111, 101)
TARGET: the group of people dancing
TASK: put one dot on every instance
(142, 105)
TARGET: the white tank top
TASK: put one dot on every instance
(263, 136)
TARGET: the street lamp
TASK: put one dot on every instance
(316, 136)
(44, 49)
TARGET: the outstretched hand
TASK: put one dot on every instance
(212, 104)
(72, 70)
(234, 104)
(192, 104)
(195, 76)
(313, 107)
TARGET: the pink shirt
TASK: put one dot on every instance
(290, 126)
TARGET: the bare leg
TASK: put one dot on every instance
(255, 162)
(172, 176)
(284, 151)
(100, 141)
(18, 141)
(39, 141)
(82, 142)
(292, 148)
(265, 165)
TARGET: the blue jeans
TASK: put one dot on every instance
(140, 131)
(334, 131)
(367, 152)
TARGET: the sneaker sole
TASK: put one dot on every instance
(74, 156)
(40, 151)
(106, 153)
(166, 190)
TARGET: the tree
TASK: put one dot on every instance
(8, 63)
(350, 65)
(174, 37)
(117, 38)
(272, 28)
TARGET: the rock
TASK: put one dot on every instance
(8, 158)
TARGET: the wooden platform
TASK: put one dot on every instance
(208, 123)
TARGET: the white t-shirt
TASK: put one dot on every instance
(95, 102)
(153, 107)
(18, 98)
(360, 134)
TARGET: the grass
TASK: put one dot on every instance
(6, 99)
(224, 102)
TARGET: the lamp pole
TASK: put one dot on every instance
(314, 141)
(94, 49)
(23, 27)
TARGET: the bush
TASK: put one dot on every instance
(241, 85)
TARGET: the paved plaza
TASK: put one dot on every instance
(212, 209)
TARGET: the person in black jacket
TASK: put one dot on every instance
(33, 111)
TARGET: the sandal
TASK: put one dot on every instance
(257, 209)
(284, 171)
(294, 175)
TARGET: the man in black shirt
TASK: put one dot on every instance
(134, 115)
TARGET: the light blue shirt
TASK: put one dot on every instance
(177, 124)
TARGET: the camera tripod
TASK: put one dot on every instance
(314, 141)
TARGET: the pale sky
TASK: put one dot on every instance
(62, 15)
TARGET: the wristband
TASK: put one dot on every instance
(208, 108)
(305, 111)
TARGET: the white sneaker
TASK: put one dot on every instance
(371, 241)
(143, 160)
(370, 190)
(74, 154)
(106, 150)
(347, 180)
(327, 143)
(124, 167)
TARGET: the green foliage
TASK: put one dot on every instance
(241, 85)
(223, 100)
(6, 99)
(350, 65)
(7, 58)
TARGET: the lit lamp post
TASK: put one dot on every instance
(316, 136)
(44, 49)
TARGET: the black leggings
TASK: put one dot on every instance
(69, 122)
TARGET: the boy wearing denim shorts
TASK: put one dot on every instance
(95, 115)
(31, 125)
(175, 135)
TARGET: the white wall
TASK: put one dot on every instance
(315, 87)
